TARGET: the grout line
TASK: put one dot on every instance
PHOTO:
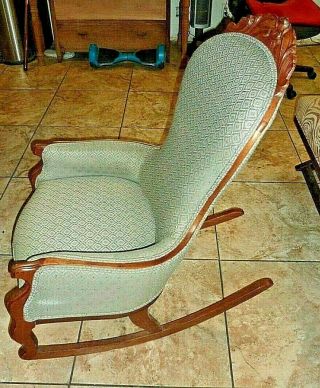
(26, 89)
(5, 188)
(34, 132)
(31, 384)
(141, 386)
(269, 182)
(75, 357)
(225, 314)
(294, 145)
(191, 259)
(63, 126)
(125, 105)
(269, 261)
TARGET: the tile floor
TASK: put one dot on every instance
(270, 341)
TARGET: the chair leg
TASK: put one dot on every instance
(19, 329)
(145, 320)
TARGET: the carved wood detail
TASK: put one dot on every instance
(277, 34)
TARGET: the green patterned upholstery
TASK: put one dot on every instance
(226, 90)
(90, 213)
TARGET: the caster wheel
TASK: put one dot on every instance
(312, 74)
(291, 94)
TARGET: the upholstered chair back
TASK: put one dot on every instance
(227, 88)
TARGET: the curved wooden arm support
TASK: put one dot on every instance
(223, 216)
(31, 350)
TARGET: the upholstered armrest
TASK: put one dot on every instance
(96, 157)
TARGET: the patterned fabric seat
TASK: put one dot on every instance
(90, 214)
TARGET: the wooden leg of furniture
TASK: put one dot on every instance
(21, 331)
(37, 31)
(26, 35)
(307, 170)
(184, 32)
(223, 216)
(145, 320)
(55, 32)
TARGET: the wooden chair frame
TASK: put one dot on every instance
(278, 35)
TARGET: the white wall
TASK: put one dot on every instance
(217, 14)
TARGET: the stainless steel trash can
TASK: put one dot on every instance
(10, 38)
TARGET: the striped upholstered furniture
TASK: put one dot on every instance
(109, 221)
(307, 120)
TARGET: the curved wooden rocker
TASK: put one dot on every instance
(38, 269)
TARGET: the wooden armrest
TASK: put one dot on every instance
(37, 146)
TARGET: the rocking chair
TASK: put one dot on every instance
(109, 221)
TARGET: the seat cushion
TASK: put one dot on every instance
(84, 214)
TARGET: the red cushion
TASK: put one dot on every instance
(300, 12)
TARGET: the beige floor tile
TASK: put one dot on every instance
(287, 108)
(303, 85)
(280, 223)
(11, 202)
(165, 80)
(149, 110)
(12, 368)
(194, 357)
(299, 146)
(44, 132)
(315, 50)
(153, 136)
(278, 124)
(14, 141)
(3, 184)
(274, 338)
(305, 56)
(82, 76)
(175, 54)
(86, 108)
(204, 246)
(23, 107)
(37, 77)
(274, 160)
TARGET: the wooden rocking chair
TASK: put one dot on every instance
(109, 221)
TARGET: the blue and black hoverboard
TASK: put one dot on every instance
(102, 57)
